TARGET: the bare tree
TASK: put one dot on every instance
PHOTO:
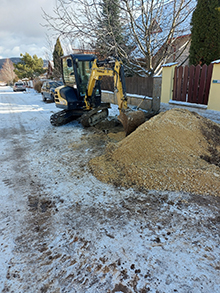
(7, 72)
(49, 47)
(154, 28)
(67, 45)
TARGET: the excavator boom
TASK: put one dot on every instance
(130, 119)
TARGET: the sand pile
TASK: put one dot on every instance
(176, 150)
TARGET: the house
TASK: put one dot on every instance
(50, 69)
(83, 51)
(179, 44)
(160, 41)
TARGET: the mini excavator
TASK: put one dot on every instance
(80, 97)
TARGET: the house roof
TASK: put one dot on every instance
(162, 18)
(51, 63)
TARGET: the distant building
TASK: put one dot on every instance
(50, 69)
(161, 45)
(83, 51)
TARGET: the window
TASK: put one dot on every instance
(84, 71)
(68, 71)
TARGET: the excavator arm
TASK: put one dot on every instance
(113, 67)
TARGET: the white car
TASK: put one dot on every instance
(19, 86)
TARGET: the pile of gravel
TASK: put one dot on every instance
(176, 150)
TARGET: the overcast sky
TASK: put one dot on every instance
(20, 27)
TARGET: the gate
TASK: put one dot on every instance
(191, 84)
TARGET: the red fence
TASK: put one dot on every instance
(191, 84)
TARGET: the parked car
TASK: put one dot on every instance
(48, 89)
(19, 86)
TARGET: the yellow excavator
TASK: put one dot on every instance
(80, 97)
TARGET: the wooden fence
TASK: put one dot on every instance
(191, 84)
(134, 85)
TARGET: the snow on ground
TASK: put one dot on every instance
(62, 230)
(210, 114)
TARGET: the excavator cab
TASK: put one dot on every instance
(76, 71)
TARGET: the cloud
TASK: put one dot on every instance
(20, 27)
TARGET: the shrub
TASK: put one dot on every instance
(37, 86)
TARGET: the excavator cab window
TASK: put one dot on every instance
(69, 62)
(68, 72)
(83, 71)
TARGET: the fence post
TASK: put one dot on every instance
(214, 96)
(167, 82)
(157, 81)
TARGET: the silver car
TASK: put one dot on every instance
(48, 89)
(19, 86)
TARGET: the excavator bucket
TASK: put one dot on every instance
(131, 119)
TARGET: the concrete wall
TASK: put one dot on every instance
(150, 104)
(156, 93)
(214, 92)
(167, 82)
